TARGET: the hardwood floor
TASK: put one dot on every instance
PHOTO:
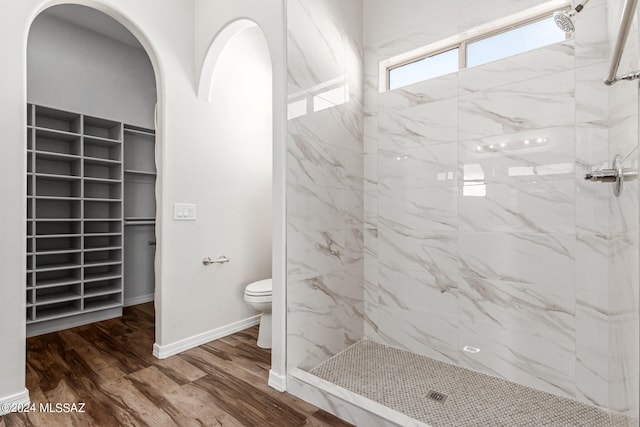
(109, 367)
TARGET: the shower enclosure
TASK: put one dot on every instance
(405, 230)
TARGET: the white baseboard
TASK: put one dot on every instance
(139, 299)
(164, 351)
(21, 398)
(277, 381)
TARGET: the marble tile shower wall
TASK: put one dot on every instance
(479, 229)
(624, 254)
(324, 179)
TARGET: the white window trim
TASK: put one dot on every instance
(468, 36)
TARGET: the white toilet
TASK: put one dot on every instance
(259, 295)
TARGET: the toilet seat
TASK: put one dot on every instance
(262, 288)
(258, 299)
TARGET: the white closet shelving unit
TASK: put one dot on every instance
(140, 212)
(75, 218)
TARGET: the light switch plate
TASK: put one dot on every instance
(184, 212)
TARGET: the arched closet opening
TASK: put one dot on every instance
(91, 170)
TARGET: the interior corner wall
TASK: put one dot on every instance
(232, 157)
(75, 69)
(553, 303)
(624, 230)
(211, 16)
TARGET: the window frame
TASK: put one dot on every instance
(462, 43)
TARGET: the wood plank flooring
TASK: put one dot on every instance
(109, 367)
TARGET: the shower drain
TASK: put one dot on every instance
(436, 396)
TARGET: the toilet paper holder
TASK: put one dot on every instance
(220, 260)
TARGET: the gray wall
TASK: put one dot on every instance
(72, 68)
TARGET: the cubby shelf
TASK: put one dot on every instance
(103, 263)
(136, 172)
(107, 142)
(60, 157)
(74, 204)
(87, 178)
(101, 277)
(56, 311)
(138, 131)
(54, 236)
(102, 302)
(50, 176)
(53, 198)
(103, 180)
(96, 161)
(105, 248)
(57, 297)
(58, 220)
(56, 267)
(55, 134)
(56, 252)
(102, 290)
(53, 283)
(102, 234)
(96, 199)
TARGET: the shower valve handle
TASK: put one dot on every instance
(615, 175)
(604, 175)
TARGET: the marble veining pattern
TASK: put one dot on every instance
(533, 104)
(519, 257)
(453, 211)
(418, 167)
(542, 207)
(325, 180)
(483, 219)
(426, 124)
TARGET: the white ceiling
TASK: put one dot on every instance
(93, 20)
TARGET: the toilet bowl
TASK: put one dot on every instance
(259, 296)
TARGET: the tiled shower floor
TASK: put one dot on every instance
(402, 380)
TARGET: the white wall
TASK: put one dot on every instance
(189, 300)
(231, 185)
(172, 56)
(211, 16)
(76, 69)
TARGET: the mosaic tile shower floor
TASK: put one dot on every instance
(402, 380)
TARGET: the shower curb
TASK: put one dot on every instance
(343, 403)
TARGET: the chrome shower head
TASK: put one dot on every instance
(564, 20)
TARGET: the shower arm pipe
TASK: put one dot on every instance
(581, 6)
(621, 40)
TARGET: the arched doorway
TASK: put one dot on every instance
(223, 41)
(84, 106)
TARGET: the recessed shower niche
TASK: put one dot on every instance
(90, 170)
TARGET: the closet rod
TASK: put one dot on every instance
(623, 33)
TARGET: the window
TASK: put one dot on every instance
(512, 42)
(471, 49)
(432, 66)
